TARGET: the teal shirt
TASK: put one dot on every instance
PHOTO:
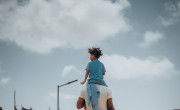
(96, 69)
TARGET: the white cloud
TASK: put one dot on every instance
(167, 22)
(151, 38)
(70, 69)
(121, 67)
(173, 14)
(4, 81)
(41, 25)
(173, 9)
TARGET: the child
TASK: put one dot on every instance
(95, 69)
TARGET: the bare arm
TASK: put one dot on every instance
(110, 105)
(86, 76)
(80, 103)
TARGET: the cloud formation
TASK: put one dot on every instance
(4, 81)
(43, 25)
(69, 69)
(151, 38)
(121, 67)
(172, 11)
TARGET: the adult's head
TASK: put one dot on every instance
(104, 102)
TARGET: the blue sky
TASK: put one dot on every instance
(44, 43)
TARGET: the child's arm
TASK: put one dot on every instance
(86, 76)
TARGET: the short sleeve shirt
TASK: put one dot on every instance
(96, 69)
(105, 94)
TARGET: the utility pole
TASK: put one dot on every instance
(58, 86)
(58, 97)
(15, 100)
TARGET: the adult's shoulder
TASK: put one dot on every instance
(109, 93)
(108, 90)
(104, 88)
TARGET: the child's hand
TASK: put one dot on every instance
(83, 82)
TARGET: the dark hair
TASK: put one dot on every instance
(95, 51)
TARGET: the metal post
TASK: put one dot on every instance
(58, 86)
(58, 97)
(14, 100)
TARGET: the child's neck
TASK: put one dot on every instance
(95, 59)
